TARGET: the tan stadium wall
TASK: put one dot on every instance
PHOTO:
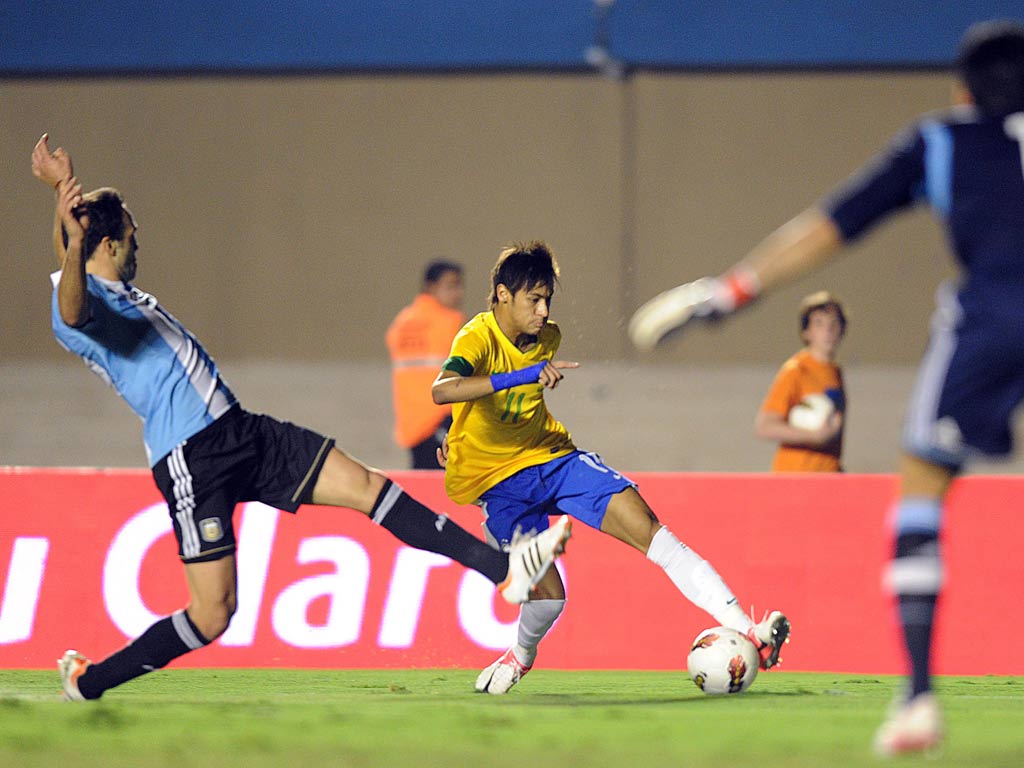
(290, 217)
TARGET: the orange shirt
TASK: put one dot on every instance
(798, 377)
(418, 340)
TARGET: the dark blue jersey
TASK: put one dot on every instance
(970, 170)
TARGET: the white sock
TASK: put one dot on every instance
(535, 619)
(697, 580)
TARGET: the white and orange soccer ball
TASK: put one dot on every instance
(722, 660)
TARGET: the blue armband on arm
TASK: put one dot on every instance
(528, 375)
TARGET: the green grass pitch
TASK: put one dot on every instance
(424, 718)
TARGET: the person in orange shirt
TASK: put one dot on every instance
(418, 341)
(812, 372)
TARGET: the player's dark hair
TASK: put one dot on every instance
(105, 209)
(821, 300)
(437, 268)
(991, 64)
(524, 265)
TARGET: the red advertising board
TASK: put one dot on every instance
(87, 560)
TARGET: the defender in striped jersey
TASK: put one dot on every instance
(967, 164)
(206, 452)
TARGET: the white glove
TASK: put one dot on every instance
(707, 298)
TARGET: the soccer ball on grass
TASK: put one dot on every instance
(722, 660)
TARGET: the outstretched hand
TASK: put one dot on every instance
(51, 167)
(551, 374)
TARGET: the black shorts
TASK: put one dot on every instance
(424, 454)
(970, 382)
(241, 456)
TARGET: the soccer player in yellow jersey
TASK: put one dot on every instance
(507, 453)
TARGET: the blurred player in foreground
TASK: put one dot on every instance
(968, 165)
(508, 454)
(206, 452)
(809, 381)
(418, 341)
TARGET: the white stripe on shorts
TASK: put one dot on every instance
(922, 411)
(184, 502)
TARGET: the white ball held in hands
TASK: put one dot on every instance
(812, 412)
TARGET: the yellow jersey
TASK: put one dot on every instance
(493, 437)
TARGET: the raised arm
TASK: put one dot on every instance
(52, 168)
(72, 294)
(452, 387)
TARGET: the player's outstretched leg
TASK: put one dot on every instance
(768, 636)
(530, 557)
(699, 583)
(166, 640)
(913, 725)
(515, 574)
(71, 666)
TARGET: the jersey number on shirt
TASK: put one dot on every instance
(594, 461)
(516, 402)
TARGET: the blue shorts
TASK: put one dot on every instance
(578, 484)
(969, 383)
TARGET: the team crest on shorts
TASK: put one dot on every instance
(211, 530)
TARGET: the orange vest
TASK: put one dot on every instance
(419, 340)
(800, 376)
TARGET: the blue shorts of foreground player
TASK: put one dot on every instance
(579, 484)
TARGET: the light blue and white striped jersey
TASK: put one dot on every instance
(153, 362)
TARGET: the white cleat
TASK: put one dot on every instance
(529, 558)
(912, 726)
(768, 636)
(71, 666)
(502, 674)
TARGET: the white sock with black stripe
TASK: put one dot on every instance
(697, 580)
